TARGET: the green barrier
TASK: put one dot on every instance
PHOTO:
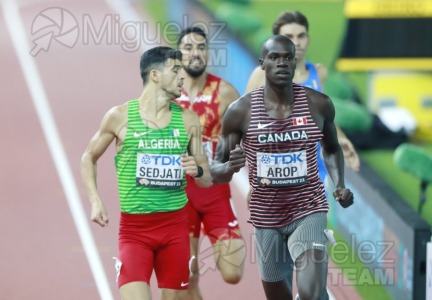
(258, 40)
(241, 2)
(337, 85)
(239, 20)
(352, 117)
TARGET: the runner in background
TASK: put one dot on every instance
(209, 208)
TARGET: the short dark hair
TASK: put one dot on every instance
(154, 58)
(289, 17)
(192, 29)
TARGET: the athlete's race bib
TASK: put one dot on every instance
(159, 170)
(282, 169)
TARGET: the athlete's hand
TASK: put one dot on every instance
(99, 213)
(344, 196)
(189, 165)
(237, 159)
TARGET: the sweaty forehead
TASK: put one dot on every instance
(194, 39)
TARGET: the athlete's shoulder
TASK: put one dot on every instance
(318, 99)
(314, 94)
(118, 111)
(256, 79)
(228, 92)
(188, 114)
(242, 104)
(212, 77)
(115, 118)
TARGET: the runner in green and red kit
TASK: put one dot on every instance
(157, 145)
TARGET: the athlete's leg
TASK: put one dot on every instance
(278, 290)
(222, 228)
(311, 274)
(194, 292)
(172, 259)
(229, 253)
(194, 221)
(275, 263)
(135, 291)
(135, 262)
(307, 245)
(169, 294)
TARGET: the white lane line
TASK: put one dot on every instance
(29, 68)
(241, 183)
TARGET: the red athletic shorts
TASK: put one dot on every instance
(158, 241)
(211, 207)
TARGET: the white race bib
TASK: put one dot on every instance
(282, 169)
(159, 170)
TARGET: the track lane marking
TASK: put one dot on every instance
(30, 71)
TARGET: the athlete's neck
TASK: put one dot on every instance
(154, 101)
(301, 72)
(193, 85)
(279, 94)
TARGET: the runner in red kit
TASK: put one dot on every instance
(209, 96)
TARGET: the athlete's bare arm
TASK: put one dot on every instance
(230, 158)
(111, 127)
(332, 152)
(351, 157)
(256, 79)
(197, 156)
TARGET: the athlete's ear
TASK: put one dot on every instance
(154, 75)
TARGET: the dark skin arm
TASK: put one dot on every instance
(324, 113)
(230, 158)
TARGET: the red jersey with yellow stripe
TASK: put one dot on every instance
(212, 205)
(206, 105)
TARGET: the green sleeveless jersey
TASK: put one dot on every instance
(149, 172)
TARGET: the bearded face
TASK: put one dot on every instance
(194, 50)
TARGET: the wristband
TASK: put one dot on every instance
(200, 172)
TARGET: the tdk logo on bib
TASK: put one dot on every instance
(162, 160)
(283, 158)
(156, 170)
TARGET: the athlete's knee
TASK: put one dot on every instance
(233, 275)
(312, 293)
(193, 264)
(230, 261)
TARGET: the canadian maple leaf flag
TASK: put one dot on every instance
(300, 121)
